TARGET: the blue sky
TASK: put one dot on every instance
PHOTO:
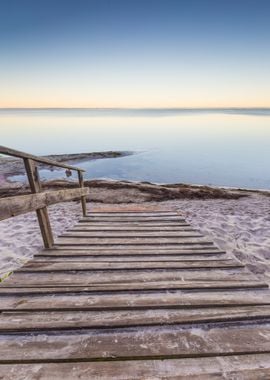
(134, 53)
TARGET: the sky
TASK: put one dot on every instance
(134, 53)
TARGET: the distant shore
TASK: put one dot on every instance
(10, 166)
(114, 191)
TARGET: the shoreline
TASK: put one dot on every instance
(123, 191)
(146, 191)
(10, 166)
(235, 219)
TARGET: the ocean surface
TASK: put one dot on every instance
(224, 147)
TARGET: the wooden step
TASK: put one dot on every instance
(122, 295)
(132, 214)
(133, 258)
(114, 277)
(133, 223)
(50, 266)
(244, 367)
(145, 342)
(132, 241)
(130, 251)
(9, 288)
(145, 219)
(135, 300)
(129, 234)
(81, 227)
(74, 320)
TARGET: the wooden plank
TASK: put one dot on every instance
(43, 160)
(9, 289)
(148, 249)
(244, 367)
(35, 266)
(77, 251)
(132, 213)
(143, 219)
(132, 241)
(82, 228)
(45, 227)
(113, 224)
(55, 320)
(191, 248)
(42, 212)
(134, 258)
(137, 211)
(129, 234)
(135, 300)
(145, 342)
(121, 277)
(83, 197)
(168, 248)
(134, 217)
(13, 206)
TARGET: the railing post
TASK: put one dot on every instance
(42, 213)
(83, 198)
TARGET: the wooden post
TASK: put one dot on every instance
(83, 198)
(42, 213)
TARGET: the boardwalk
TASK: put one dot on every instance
(134, 295)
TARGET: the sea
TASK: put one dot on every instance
(220, 147)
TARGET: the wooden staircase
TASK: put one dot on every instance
(134, 295)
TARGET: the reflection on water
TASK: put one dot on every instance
(221, 147)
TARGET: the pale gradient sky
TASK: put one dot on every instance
(135, 53)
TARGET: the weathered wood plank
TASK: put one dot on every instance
(13, 206)
(132, 241)
(83, 197)
(124, 228)
(35, 266)
(135, 300)
(132, 217)
(146, 210)
(244, 367)
(114, 277)
(9, 289)
(181, 252)
(78, 257)
(133, 250)
(129, 234)
(132, 213)
(143, 219)
(133, 258)
(42, 213)
(146, 342)
(43, 160)
(113, 224)
(52, 320)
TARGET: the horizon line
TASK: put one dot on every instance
(139, 108)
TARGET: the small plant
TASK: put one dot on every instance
(6, 275)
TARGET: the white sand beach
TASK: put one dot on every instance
(239, 226)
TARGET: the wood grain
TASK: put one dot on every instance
(134, 296)
(13, 206)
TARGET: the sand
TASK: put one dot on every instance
(239, 226)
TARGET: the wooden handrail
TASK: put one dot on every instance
(21, 204)
(39, 200)
(42, 160)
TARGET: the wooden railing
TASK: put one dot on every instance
(39, 200)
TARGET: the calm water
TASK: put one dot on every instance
(221, 147)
